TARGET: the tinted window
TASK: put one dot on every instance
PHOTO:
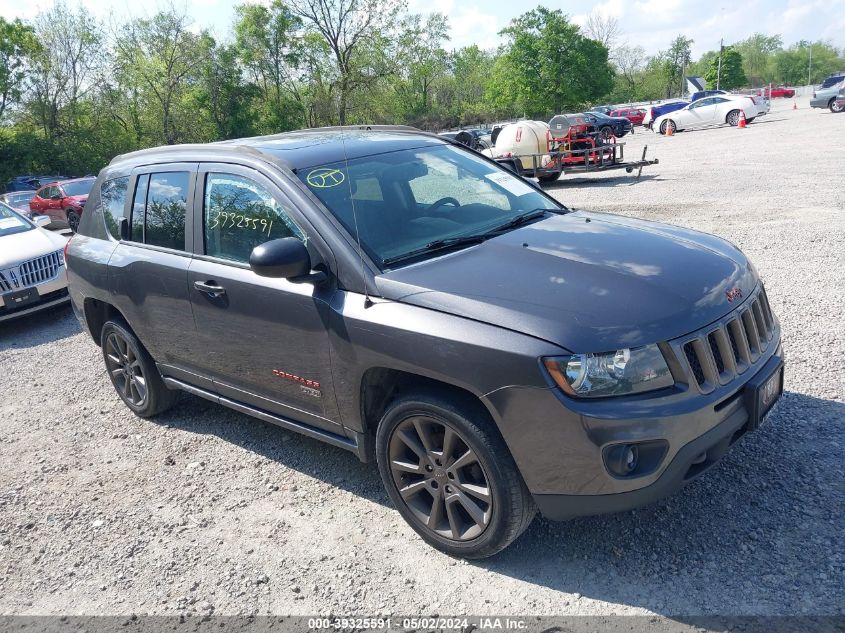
(138, 203)
(167, 201)
(239, 214)
(831, 81)
(113, 198)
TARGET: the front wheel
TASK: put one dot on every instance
(133, 372)
(451, 476)
(837, 106)
(73, 220)
(666, 125)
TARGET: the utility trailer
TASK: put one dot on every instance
(568, 145)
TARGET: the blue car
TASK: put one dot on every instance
(660, 109)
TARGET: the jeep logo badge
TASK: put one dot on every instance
(733, 294)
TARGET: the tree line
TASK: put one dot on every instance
(74, 92)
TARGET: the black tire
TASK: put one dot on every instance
(665, 124)
(834, 108)
(548, 178)
(133, 373)
(73, 220)
(732, 118)
(750, 120)
(455, 503)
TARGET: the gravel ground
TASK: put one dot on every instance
(207, 511)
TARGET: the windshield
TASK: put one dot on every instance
(78, 187)
(11, 222)
(408, 199)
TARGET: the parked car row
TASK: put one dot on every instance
(62, 201)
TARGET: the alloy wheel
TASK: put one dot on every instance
(125, 370)
(733, 118)
(440, 478)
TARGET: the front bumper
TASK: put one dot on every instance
(693, 459)
(51, 293)
(561, 450)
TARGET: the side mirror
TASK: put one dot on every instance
(285, 258)
(41, 220)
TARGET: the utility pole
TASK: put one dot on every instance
(810, 67)
(719, 70)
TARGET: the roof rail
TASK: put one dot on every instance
(175, 149)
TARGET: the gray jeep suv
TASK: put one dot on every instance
(398, 295)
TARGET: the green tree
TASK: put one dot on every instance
(354, 31)
(678, 58)
(17, 46)
(757, 57)
(268, 43)
(160, 60)
(422, 60)
(548, 66)
(731, 75)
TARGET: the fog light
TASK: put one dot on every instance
(622, 459)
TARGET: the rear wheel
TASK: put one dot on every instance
(133, 372)
(73, 220)
(749, 120)
(450, 476)
(732, 118)
(836, 106)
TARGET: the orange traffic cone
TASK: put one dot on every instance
(670, 128)
(742, 123)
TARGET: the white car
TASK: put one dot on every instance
(32, 265)
(715, 110)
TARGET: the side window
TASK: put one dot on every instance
(113, 197)
(239, 214)
(167, 202)
(139, 201)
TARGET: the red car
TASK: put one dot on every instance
(634, 115)
(62, 201)
(777, 91)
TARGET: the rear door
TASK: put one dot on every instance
(263, 341)
(150, 269)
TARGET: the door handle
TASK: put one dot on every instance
(210, 288)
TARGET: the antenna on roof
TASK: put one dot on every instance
(368, 302)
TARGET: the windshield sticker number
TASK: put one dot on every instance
(325, 178)
(228, 220)
(509, 183)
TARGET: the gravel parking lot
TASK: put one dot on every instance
(205, 510)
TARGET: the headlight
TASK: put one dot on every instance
(623, 372)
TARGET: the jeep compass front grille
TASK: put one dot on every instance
(720, 353)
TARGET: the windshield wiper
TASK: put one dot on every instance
(475, 238)
(438, 245)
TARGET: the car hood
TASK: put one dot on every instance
(588, 282)
(20, 247)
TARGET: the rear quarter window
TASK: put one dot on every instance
(113, 199)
